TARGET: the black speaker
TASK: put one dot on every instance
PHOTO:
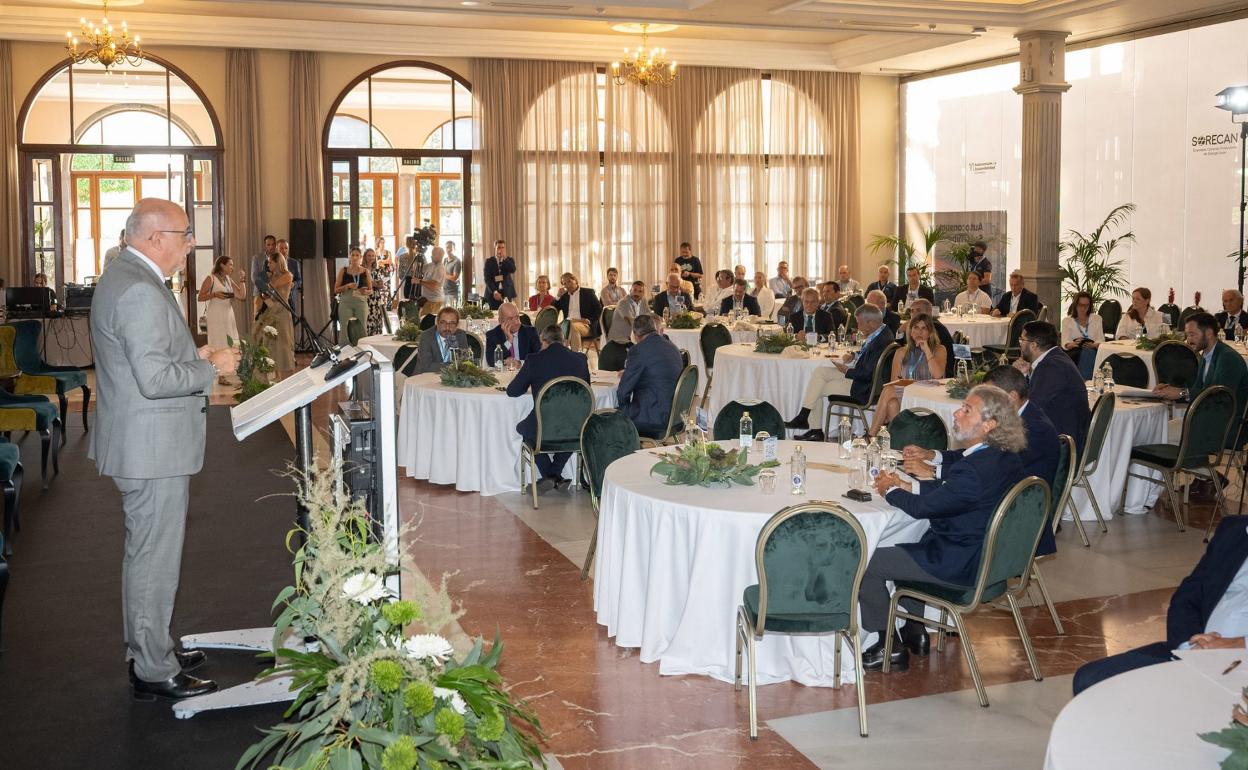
(302, 239)
(336, 238)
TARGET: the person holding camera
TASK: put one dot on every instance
(1082, 333)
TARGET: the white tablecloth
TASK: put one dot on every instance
(743, 375)
(467, 436)
(1145, 719)
(688, 339)
(1133, 423)
(979, 329)
(673, 561)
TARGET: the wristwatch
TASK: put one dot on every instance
(1184, 394)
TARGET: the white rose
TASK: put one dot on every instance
(270, 331)
(270, 362)
(428, 646)
(453, 697)
(364, 587)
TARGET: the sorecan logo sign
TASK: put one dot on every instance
(1214, 144)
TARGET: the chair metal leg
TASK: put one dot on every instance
(940, 632)
(1048, 602)
(1022, 632)
(890, 631)
(752, 686)
(589, 557)
(1078, 522)
(836, 660)
(10, 510)
(45, 438)
(1219, 502)
(60, 396)
(1096, 508)
(1180, 512)
(533, 477)
(969, 652)
(858, 684)
(736, 679)
(86, 403)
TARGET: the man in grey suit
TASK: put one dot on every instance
(149, 433)
(625, 311)
(436, 343)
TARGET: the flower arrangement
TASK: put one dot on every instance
(254, 365)
(476, 313)
(776, 343)
(684, 321)
(959, 386)
(408, 332)
(704, 464)
(466, 374)
(373, 697)
(1233, 737)
(1149, 343)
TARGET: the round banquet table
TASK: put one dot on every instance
(673, 562)
(689, 340)
(1106, 349)
(1134, 422)
(467, 436)
(743, 375)
(980, 330)
(1144, 719)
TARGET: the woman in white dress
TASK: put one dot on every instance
(1141, 316)
(221, 290)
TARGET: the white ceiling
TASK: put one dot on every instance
(890, 36)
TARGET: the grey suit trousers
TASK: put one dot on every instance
(888, 564)
(155, 528)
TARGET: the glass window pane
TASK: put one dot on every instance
(47, 122)
(83, 187)
(116, 191)
(43, 180)
(426, 216)
(450, 192)
(452, 165)
(452, 221)
(426, 197)
(366, 192)
(44, 235)
(82, 223)
(204, 235)
(155, 187)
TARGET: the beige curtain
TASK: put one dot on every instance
(10, 202)
(243, 231)
(307, 191)
(812, 197)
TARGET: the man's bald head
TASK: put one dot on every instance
(150, 215)
(158, 228)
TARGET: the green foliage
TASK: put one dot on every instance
(254, 364)
(776, 343)
(684, 321)
(466, 374)
(958, 387)
(476, 313)
(408, 332)
(1233, 738)
(704, 464)
(1148, 343)
(908, 254)
(1089, 264)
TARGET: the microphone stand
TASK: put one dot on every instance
(324, 351)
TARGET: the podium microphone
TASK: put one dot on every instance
(344, 366)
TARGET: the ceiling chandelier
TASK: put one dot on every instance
(644, 67)
(101, 44)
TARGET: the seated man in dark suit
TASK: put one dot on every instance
(1206, 612)
(1220, 364)
(673, 300)
(552, 361)
(792, 303)
(830, 302)
(1019, 297)
(648, 382)
(438, 341)
(810, 318)
(924, 307)
(741, 299)
(847, 377)
(582, 309)
(1232, 312)
(884, 283)
(890, 317)
(958, 510)
(515, 339)
(1056, 386)
(913, 290)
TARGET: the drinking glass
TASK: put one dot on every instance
(767, 482)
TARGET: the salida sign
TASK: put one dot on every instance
(1214, 144)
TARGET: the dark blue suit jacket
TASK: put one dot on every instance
(1027, 300)
(1200, 592)
(889, 288)
(494, 269)
(649, 382)
(1058, 388)
(526, 339)
(863, 370)
(823, 322)
(958, 511)
(749, 302)
(540, 368)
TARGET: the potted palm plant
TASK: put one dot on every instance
(1088, 263)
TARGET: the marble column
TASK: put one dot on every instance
(1042, 81)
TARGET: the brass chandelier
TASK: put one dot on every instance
(102, 44)
(644, 67)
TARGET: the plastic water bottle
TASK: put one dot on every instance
(788, 329)
(858, 471)
(499, 355)
(797, 471)
(964, 370)
(1107, 374)
(747, 432)
(945, 306)
(901, 306)
(873, 459)
(667, 314)
(844, 435)
(886, 439)
(1098, 382)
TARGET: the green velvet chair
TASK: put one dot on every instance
(562, 406)
(1129, 369)
(712, 337)
(405, 359)
(856, 301)
(1009, 550)
(1187, 313)
(607, 436)
(682, 400)
(427, 321)
(604, 321)
(1170, 313)
(918, 427)
(684, 357)
(810, 560)
(11, 482)
(764, 416)
(34, 413)
(477, 346)
(4, 582)
(1174, 363)
(1102, 415)
(613, 357)
(1010, 349)
(1063, 481)
(547, 316)
(29, 361)
(525, 320)
(1208, 421)
(851, 320)
(846, 405)
(1111, 315)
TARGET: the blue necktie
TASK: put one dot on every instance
(810, 323)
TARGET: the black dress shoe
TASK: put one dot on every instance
(810, 435)
(175, 687)
(190, 660)
(915, 638)
(797, 423)
(873, 657)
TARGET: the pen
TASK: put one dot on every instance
(1231, 667)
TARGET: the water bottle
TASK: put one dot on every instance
(1107, 373)
(840, 334)
(886, 440)
(844, 435)
(499, 355)
(667, 314)
(964, 371)
(945, 306)
(1098, 382)
(746, 432)
(873, 459)
(858, 473)
(788, 329)
(901, 306)
(797, 471)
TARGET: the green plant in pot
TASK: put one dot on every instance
(1088, 262)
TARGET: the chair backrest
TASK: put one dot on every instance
(810, 560)
(409, 311)
(477, 346)
(1013, 534)
(26, 345)
(427, 321)
(1129, 369)
(1187, 313)
(608, 435)
(1206, 425)
(920, 427)
(1063, 478)
(8, 364)
(713, 337)
(856, 301)
(525, 320)
(1017, 322)
(1044, 313)
(851, 320)
(547, 316)
(764, 416)
(883, 369)
(1174, 363)
(1170, 312)
(562, 406)
(605, 318)
(1111, 314)
(682, 399)
(960, 337)
(405, 359)
(684, 357)
(612, 357)
(1098, 429)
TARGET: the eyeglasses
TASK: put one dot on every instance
(187, 233)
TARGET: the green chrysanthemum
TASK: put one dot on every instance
(386, 675)
(400, 613)
(491, 725)
(433, 764)
(400, 755)
(418, 698)
(449, 723)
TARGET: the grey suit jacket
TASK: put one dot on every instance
(622, 320)
(429, 355)
(152, 384)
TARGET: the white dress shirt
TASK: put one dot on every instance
(1071, 330)
(850, 287)
(1230, 616)
(155, 268)
(1129, 327)
(574, 304)
(766, 302)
